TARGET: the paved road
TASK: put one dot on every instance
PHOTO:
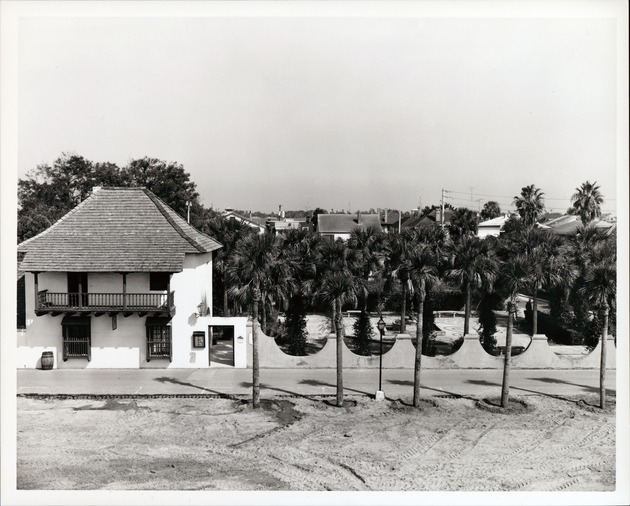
(396, 382)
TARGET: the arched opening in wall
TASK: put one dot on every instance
(362, 336)
(443, 335)
(302, 336)
(569, 342)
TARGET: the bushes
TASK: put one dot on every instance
(488, 321)
(295, 326)
(362, 334)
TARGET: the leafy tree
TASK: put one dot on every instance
(473, 266)
(586, 202)
(168, 180)
(490, 210)
(50, 191)
(600, 288)
(463, 222)
(422, 266)
(529, 204)
(514, 275)
(317, 212)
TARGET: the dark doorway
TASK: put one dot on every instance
(221, 340)
(77, 284)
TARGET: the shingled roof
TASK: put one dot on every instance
(116, 230)
(345, 223)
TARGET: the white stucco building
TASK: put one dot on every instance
(122, 281)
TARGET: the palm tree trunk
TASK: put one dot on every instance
(263, 308)
(602, 366)
(339, 333)
(467, 310)
(507, 364)
(418, 361)
(535, 313)
(333, 322)
(226, 306)
(403, 307)
(255, 365)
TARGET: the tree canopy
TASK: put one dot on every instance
(50, 191)
(586, 202)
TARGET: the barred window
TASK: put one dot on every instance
(159, 342)
(77, 338)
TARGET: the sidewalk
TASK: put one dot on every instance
(304, 382)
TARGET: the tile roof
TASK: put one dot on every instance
(345, 223)
(116, 230)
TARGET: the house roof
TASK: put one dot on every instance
(572, 226)
(429, 219)
(116, 230)
(345, 223)
(499, 221)
(244, 219)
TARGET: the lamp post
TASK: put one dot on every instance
(381, 328)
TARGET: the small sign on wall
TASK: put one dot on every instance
(199, 339)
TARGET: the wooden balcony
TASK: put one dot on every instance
(56, 303)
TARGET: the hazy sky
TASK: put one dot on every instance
(330, 112)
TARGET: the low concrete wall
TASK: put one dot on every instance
(471, 355)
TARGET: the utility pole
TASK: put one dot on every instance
(442, 211)
(399, 219)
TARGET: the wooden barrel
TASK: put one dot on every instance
(47, 360)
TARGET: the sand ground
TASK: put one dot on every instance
(306, 443)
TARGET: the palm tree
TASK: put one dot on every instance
(249, 270)
(547, 256)
(491, 209)
(600, 288)
(330, 256)
(422, 265)
(514, 275)
(473, 265)
(529, 204)
(397, 250)
(586, 202)
(229, 232)
(463, 222)
(339, 286)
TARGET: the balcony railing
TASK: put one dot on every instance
(94, 302)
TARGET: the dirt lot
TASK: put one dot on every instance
(297, 443)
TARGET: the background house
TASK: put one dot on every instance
(232, 215)
(122, 281)
(339, 226)
(491, 227)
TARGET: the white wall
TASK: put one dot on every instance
(125, 347)
(486, 232)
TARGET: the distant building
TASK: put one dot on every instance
(231, 215)
(282, 224)
(492, 227)
(431, 219)
(340, 226)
